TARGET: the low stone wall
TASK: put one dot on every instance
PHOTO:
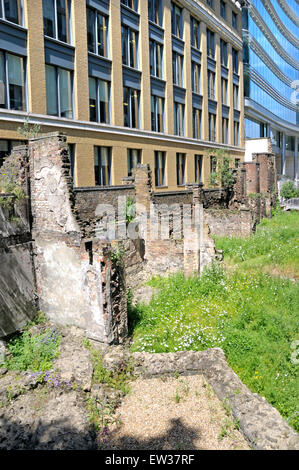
(229, 223)
(261, 424)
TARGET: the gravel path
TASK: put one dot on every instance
(173, 414)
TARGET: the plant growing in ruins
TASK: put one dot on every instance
(222, 172)
(130, 210)
(29, 130)
(288, 190)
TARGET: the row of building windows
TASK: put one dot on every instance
(103, 166)
(257, 129)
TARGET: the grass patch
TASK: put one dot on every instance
(274, 248)
(251, 315)
(34, 352)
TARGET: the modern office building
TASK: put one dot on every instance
(151, 81)
(271, 78)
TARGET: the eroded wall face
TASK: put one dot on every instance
(17, 279)
(73, 274)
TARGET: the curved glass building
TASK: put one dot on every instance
(271, 78)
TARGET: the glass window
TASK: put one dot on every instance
(223, 52)
(195, 77)
(235, 61)
(157, 113)
(213, 169)
(56, 14)
(223, 9)
(59, 89)
(12, 10)
(134, 158)
(177, 69)
(236, 133)
(180, 168)
(210, 3)
(154, 11)
(133, 4)
(212, 127)
(160, 168)
(156, 59)
(102, 166)
(176, 20)
(224, 130)
(236, 96)
(196, 123)
(290, 143)
(12, 81)
(6, 147)
(131, 107)
(179, 119)
(129, 46)
(235, 20)
(210, 44)
(211, 85)
(99, 100)
(97, 33)
(198, 168)
(224, 84)
(195, 33)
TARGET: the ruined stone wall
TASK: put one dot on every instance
(17, 278)
(230, 223)
(75, 275)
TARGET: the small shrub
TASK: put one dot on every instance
(33, 352)
(288, 190)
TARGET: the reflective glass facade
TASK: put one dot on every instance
(270, 57)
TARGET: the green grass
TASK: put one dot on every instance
(34, 352)
(274, 248)
(252, 315)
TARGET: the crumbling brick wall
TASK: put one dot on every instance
(75, 275)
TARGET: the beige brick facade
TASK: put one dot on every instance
(86, 134)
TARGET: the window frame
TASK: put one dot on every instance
(131, 157)
(158, 183)
(179, 119)
(212, 131)
(176, 27)
(197, 123)
(130, 117)
(178, 69)
(155, 99)
(99, 148)
(155, 13)
(156, 46)
(195, 43)
(57, 75)
(96, 33)
(223, 9)
(98, 106)
(210, 43)
(68, 23)
(198, 168)
(7, 93)
(134, 3)
(20, 9)
(126, 32)
(196, 77)
(181, 168)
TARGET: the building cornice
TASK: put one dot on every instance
(268, 34)
(212, 21)
(64, 124)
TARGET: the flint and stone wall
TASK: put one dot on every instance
(74, 274)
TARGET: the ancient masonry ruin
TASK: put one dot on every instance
(56, 255)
